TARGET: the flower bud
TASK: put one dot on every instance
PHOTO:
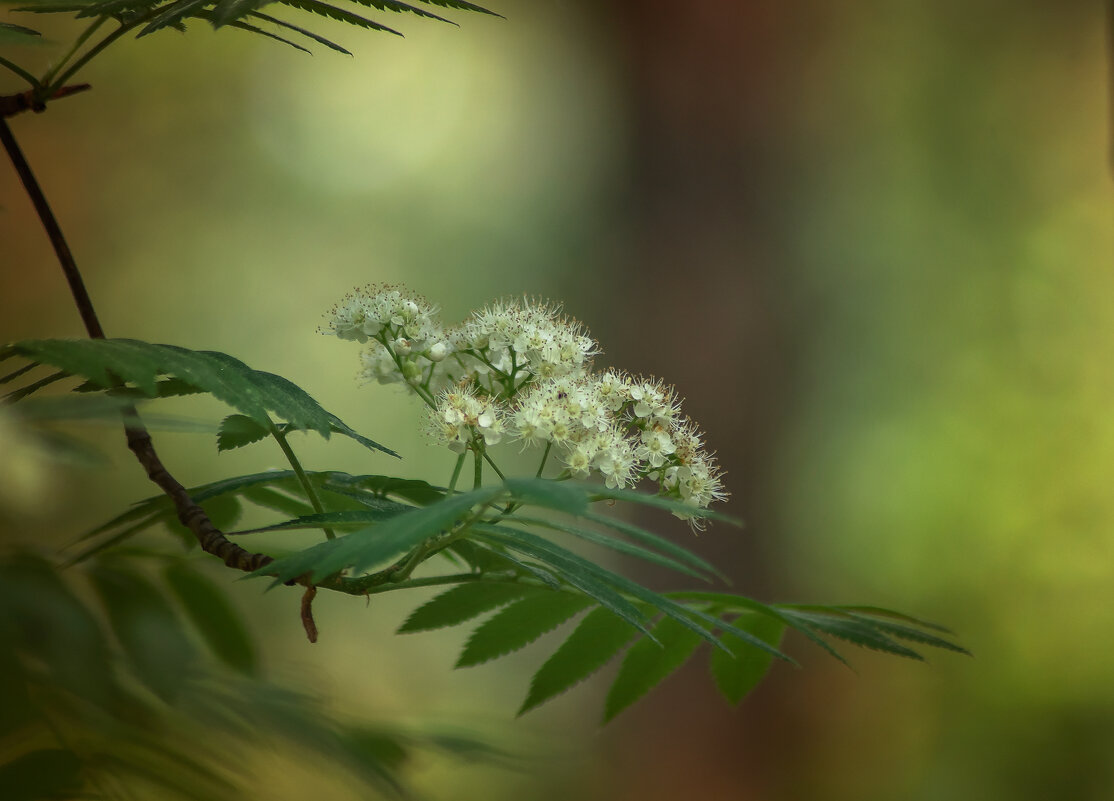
(438, 352)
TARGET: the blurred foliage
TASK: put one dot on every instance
(106, 692)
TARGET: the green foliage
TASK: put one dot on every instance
(61, 672)
(150, 16)
(506, 535)
(739, 672)
(461, 604)
(592, 644)
(147, 628)
(213, 616)
(648, 663)
(519, 624)
(110, 364)
(10, 33)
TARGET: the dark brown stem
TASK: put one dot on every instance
(192, 516)
(46, 216)
(10, 105)
(307, 613)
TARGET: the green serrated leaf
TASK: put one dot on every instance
(910, 633)
(238, 430)
(148, 629)
(339, 14)
(749, 604)
(172, 14)
(254, 393)
(647, 664)
(548, 494)
(592, 644)
(374, 545)
(276, 501)
(696, 621)
(11, 33)
(461, 604)
(739, 674)
(858, 632)
(593, 581)
(208, 608)
(614, 544)
(308, 34)
(338, 520)
(416, 491)
(462, 5)
(519, 624)
(661, 543)
(225, 11)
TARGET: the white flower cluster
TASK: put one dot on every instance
(520, 370)
(405, 340)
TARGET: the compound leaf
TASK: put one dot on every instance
(592, 644)
(461, 604)
(737, 675)
(648, 663)
(519, 624)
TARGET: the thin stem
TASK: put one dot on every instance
(95, 50)
(311, 493)
(456, 472)
(22, 73)
(545, 456)
(54, 232)
(494, 466)
(81, 39)
(479, 474)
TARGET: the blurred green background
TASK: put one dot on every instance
(870, 243)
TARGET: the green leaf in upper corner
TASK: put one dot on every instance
(173, 14)
(227, 10)
(736, 676)
(17, 34)
(238, 430)
(461, 5)
(339, 14)
(397, 7)
(148, 629)
(371, 546)
(519, 624)
(254, 393)
(647, 664)
(308, 34)
(215, 619)
(461, 604)
(592, 644)
(549, 494)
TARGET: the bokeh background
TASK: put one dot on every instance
(870, 243)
